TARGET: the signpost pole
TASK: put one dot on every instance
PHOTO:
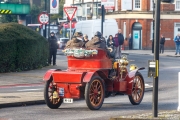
(102, 18)
(70, 29)
(156, 58)
(45, 31)
(49, 19)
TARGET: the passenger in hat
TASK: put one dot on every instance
(96, 41)
(76, 42)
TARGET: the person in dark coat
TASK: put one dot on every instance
(110, 41)
(53, 46)
(162, 41)
(130, 42)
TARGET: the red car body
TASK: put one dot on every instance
(82, 71)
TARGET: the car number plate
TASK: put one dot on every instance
(68, 100)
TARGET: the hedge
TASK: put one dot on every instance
(21, 48)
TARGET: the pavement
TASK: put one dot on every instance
(35, 78)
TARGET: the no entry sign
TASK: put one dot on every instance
(70, 11)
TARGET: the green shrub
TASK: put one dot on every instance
(21, 48)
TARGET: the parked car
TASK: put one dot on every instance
(62, 42)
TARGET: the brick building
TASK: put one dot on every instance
(136, 17)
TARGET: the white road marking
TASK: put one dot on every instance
(29, 86)
(30, 89)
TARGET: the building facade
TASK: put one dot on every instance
(136, 17)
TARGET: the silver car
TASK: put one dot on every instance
(62, 42)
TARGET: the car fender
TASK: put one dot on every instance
(90, 74)
(48, 74)
(130, 79)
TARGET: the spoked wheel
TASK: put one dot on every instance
(137, 90)
(51, 96)
(94, 93)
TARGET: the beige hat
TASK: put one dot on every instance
(78, 34)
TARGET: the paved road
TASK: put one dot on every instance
(113, 106)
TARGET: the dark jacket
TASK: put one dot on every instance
(110, 44)
(85, 42)
(120, 38)
(162, 41)
(130, 40)
(53, 42)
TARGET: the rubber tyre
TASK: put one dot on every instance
(47, 98)
(138, 90)
(95, 90)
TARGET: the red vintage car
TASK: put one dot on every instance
(89, 76)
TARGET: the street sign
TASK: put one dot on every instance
(54, 6)
(70, 11)
(108, 4)
(43, 18)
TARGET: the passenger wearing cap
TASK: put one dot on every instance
(96, 42)
(53, 46)
(76, 42)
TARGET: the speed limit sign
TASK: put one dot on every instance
(43, 18)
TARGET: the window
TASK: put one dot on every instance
(151, 4)
(137, 5)
(177, 6)
(151, 33)
(126, 4)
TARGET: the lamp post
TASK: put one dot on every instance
(96, 9)
(153, 27)
(156, 57)
(45, 9)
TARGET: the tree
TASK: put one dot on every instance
(35, 11)
(8, 18)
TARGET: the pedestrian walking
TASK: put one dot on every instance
(130, 42)
(120, 38)
(53, 46)
(177, 43)
(162, 41)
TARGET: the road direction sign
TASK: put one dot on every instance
(70, 11)
(43, 18)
